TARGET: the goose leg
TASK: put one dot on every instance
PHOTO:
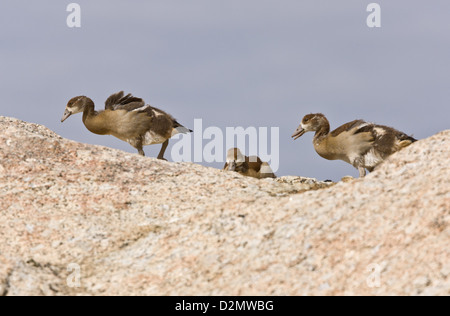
(163, 150)
(139, 147)
(362, 172)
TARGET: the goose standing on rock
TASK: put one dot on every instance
(247, 166)
(129, 119)
(361, 144)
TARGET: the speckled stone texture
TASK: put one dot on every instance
(78, 219)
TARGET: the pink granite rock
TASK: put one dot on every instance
(78, 219)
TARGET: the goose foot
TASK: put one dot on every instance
(163, 150)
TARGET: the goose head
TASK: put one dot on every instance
(310, 123)
(235, 159)
(75, 105)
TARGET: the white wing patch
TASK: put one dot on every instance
(362, 125)
(157, 113)
(380, 131)
(143, 108)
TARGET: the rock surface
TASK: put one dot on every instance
(78, 219)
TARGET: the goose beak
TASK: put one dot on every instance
(66, 115)
(298, 133)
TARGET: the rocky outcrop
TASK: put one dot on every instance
(78, 219)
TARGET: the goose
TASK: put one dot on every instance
(247, 166)
(129, 119)
(361, 144)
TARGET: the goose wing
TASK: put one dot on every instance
(120, 101)
(354, 126)
(388, 140)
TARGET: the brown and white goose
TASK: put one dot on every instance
(247, 166)
(361, 144)
(129, 119)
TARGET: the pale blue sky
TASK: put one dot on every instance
(232, 63)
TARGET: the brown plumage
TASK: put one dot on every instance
(247, 166)
(129, 119)
(361, 144)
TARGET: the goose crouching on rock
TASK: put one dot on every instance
(247, 166)
(129, 119)
(361, 144)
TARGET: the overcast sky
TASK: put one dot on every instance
(232, 63)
